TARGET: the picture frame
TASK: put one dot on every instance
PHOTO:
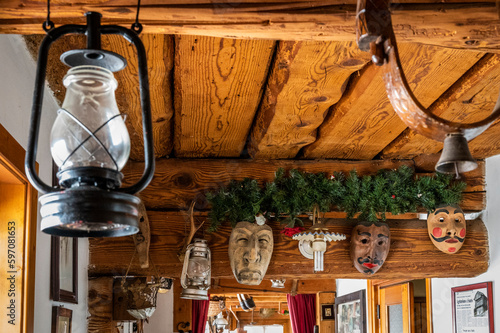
(472, 308)
(64, 269)
(327, 311)
(350, 312)
(61, 319)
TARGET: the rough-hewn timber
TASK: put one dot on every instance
(412, 252)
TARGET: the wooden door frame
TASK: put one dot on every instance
(12, 157)
(372, 296)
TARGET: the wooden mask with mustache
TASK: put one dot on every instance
(446, 227)
(370, 243)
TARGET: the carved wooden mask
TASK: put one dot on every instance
(250, 250)
(446, 227)
(370, 243)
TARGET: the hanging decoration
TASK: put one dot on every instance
(250, 250)
(370, 244)
(375, 33)
(196, 271)
(296, 193)
(447, 228)
(89, 140)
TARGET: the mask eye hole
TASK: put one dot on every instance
(380, 242)
(441, 219)
(457, 220)
(364, 241)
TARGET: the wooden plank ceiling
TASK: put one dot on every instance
(267, 99)
(267, 95)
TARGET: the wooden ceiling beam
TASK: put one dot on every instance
(412, 253)
(179, 181)
(470, 26)
(471, 98)
(305, 80)
(363, 122)
(218, 86)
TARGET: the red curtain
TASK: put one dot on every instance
(199, 315)
(302, 312)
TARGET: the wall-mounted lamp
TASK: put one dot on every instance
(375, 34)
(89, 141)
(196, 271)
(312, 243)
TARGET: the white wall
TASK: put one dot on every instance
(441, 288)
(347, 286)
(162, 320)
(17, 71)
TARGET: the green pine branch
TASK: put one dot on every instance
(295, 193)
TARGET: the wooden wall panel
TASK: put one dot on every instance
(100, 305)
(412, 252)
(305, 80)
(363, 123)
(323, 298)
(179, 181)
(471, 98)
(218, 86)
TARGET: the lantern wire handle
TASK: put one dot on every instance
(48, 24)
(136, 26)
(91, 135)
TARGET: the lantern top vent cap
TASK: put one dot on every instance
(101, 58)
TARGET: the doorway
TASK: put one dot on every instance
(399, 306)
(18, 203)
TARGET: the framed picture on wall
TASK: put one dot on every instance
(473, 308)
(61, 320)
(327, 312)
(350, 311)
(64, 269)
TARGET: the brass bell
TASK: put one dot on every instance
(455, 157)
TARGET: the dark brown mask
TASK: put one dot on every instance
(370, 243)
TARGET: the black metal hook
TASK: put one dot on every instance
(48, 24)
(136, 26)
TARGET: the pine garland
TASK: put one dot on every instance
(296, 193)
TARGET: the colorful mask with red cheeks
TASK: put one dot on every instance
(446, 226)
(370, 243)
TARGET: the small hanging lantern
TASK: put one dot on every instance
(89, 140)
(196, 271)
(312, 243)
